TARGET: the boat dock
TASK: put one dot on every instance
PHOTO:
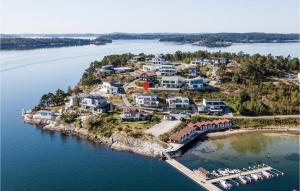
(254, 171)
(210, 184)
(192, 175)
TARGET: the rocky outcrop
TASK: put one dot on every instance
(118, 141)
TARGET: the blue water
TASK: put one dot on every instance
(32, 159)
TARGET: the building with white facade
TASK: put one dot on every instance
(167, 69)
(178, 102)
(172, 81)
(146, 100)
(195, 83)
(113, 87)
(149, 67)
(45, 115)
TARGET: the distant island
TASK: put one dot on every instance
(17, 43)
(33, 41)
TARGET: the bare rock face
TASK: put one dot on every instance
(137, 145)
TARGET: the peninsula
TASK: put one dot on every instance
(147, 104)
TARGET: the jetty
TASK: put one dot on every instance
(210, 183)
(192, 175)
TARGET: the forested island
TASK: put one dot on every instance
(209, 39)
(34, 43)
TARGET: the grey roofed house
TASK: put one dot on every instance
(137, 59)
(90, 102)
(106, 70)
(132, 114)
(193, 72)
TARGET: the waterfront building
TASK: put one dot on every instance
(146, 100)
(192, 129)
(45, 115)
(178, 102)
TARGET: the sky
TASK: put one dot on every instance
(139, 16)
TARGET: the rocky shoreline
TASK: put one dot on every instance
(117, 141)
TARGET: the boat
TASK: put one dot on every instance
(266, 174)
(242, 180)
(254, 177)
(225, 184)
(247, 178)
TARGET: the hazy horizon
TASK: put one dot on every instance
(133, 16)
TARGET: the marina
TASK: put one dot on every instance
(225, 178)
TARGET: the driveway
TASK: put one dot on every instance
(163, 127)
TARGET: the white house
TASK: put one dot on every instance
(148, 67)
(113, 87)
(195, 83)
(45, 115)
(178, 102)
(197, 61)
(158, 59)
(167, 69)
(93, 102)
(212, 105)
(172, 81)
(146, 100)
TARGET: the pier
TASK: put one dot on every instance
(193, 176)
(254, 171)
(210, 183)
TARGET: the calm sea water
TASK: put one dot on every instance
(32, 159)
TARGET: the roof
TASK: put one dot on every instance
(192, 126)
(130, 109)
(150, 73)
(172, 78)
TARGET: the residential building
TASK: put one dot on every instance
(197, 61)
(123, 70)
(218, 61)
(146, 100)
(149, 67)
(195, 83)
(138, 59)
(149, 76)
(94, 103)
(193, 72)
(213, 105)
(113, 87)
(192, 129)
(172, 81)
(178, 102)
(107, 70)
(45, 115)
(158, 60)
(167, 69)
(132, 114)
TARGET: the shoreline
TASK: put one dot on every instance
(266, 129)
(150, 148)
